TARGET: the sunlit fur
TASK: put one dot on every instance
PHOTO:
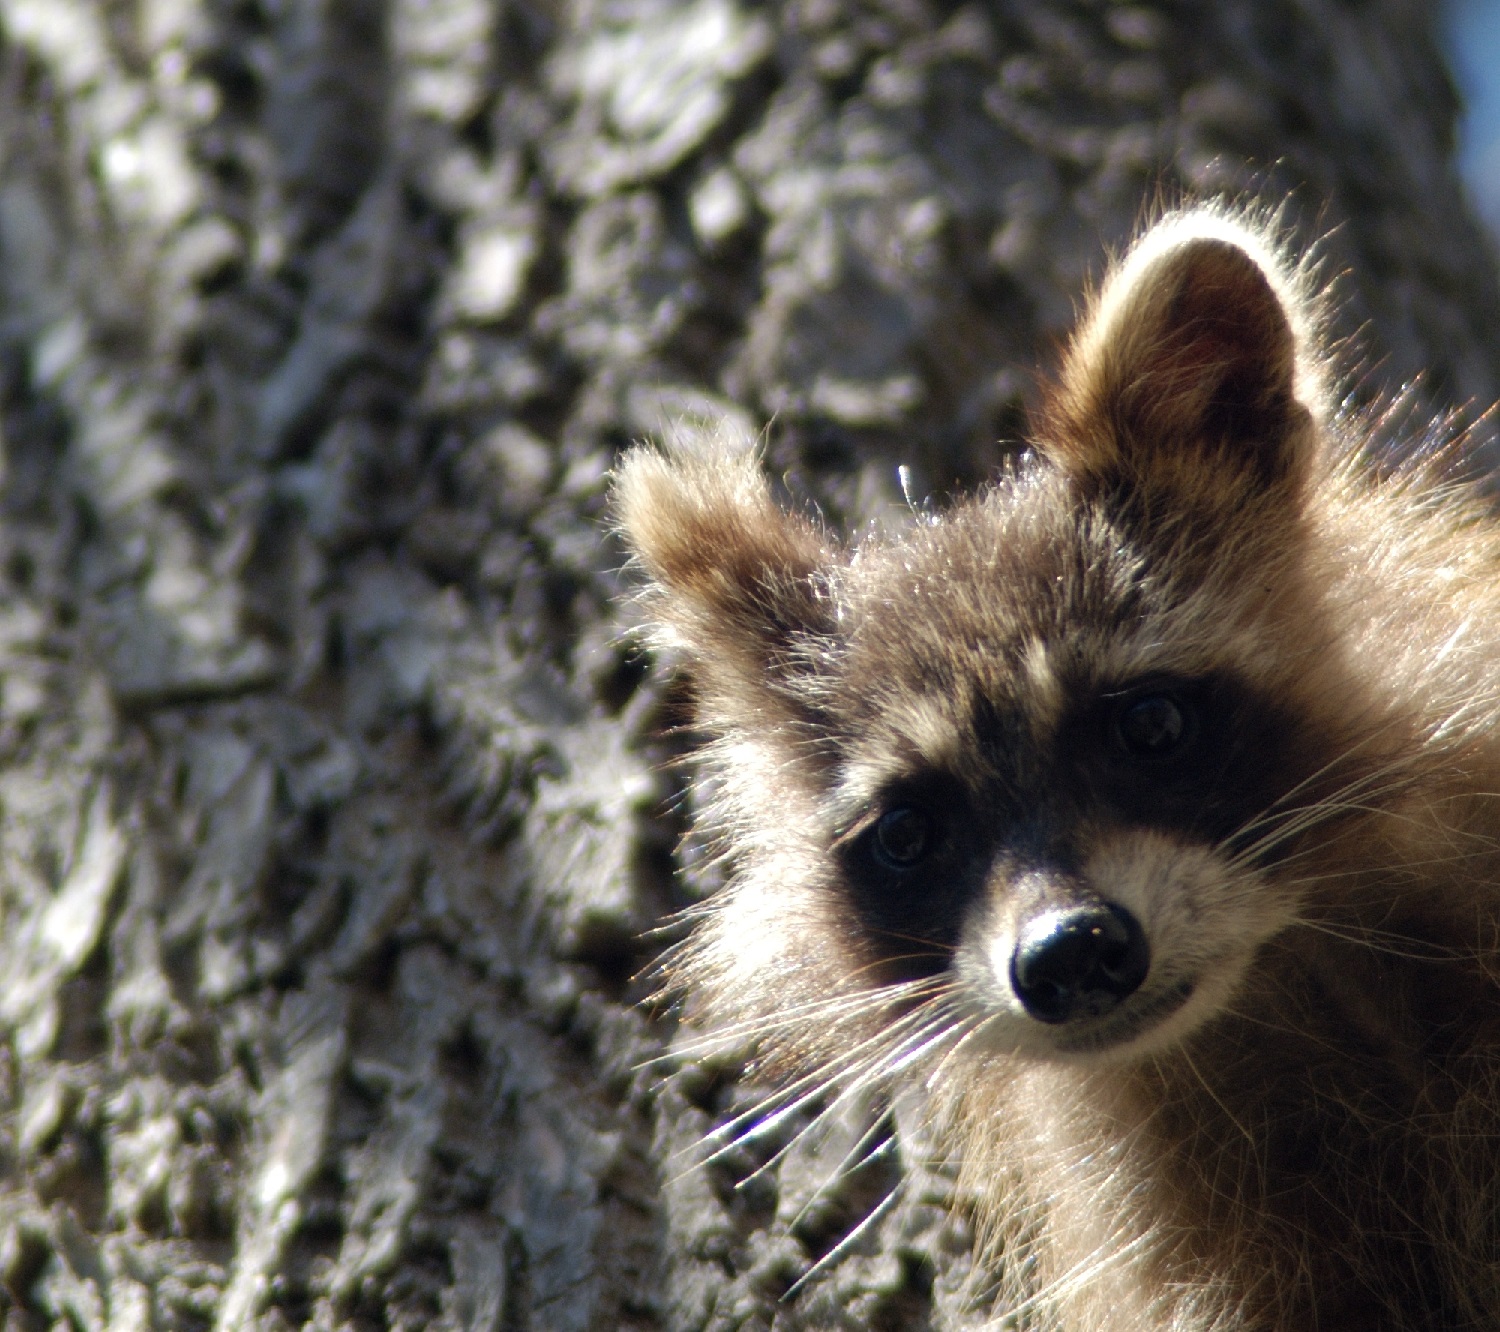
(1295, 1121)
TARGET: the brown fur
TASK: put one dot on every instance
(1294, 1121)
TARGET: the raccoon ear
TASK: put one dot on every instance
(739, 582)
(1190, 356)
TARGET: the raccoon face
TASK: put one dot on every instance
(1045, 778)
(1094, 859)
(1047, 745)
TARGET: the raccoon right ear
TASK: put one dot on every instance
(1194, 366)
(739, 582)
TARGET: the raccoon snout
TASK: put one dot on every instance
(1079, 962)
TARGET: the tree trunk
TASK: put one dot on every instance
(332, 823)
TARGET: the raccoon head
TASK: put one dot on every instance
(1055, 748)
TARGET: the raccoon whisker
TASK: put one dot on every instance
(1249, 855)
(1322, 813)
(899, 1062)
(796, 1094)
(975, 1025)
(1273, 828)
(1287, 824)
(926, 953)
(811, 1083)
(1332, 765)
(1362, 931)
(927, 946)
(760, 1120)
(864, 1080)
(713, 1040)
(766, 1118)
(1388, 942)
(1402, 867)
(836, 1254)
(796, 1016)
(858, 1156)
(827, 1008)
(1367, 784)
(925, 1026)
(1398, 764)
(918, 1045)
(877, 1132)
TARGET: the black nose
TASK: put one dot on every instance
(1078, 963)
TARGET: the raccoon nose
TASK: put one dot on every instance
(1078, 963)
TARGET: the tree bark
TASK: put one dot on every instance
(332, 816)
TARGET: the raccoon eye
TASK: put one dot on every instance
(1154, 726)
(902, 837)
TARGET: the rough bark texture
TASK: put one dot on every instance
(329, 816)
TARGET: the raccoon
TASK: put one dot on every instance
(1143, 811)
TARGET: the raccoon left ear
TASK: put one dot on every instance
(737, 581)
(1187, 366)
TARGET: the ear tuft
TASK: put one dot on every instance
(1195, 354)
(738, 581)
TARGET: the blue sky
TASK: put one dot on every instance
(1473, 28)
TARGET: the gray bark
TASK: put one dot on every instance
(332, 821)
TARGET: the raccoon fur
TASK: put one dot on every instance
(1143, 810)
